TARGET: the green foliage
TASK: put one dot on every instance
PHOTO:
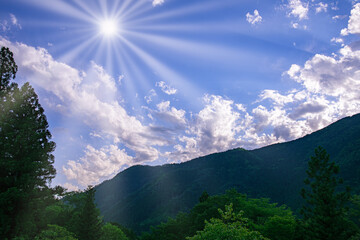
(280, 227)
(112, 232)
(89, 225)
(271, 220)
(55, 232)
(130, 234)
(26, 162)
(231, 226)
(354, 212)
(324, 213)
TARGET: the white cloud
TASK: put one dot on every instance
(321, 7)
(298, 9)
(150, 96)
(171, 115)
(354, 22)
(276, 97)
(165, 88)
(295, 25)
(255, 18)
(157, 2)
(328, 75)
(336, 17)
(5, 25)
(97, 165)
(338, 40)
(14, 21)
(216, 124)
(70, 187)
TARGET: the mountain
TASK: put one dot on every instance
(143, 196)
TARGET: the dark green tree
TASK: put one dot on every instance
(112, 232)
(8, 68)
(324, 211)
(204, 196)
(26, 162)
(90, 223)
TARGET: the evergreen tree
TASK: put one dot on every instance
(8, 68)
(90, 222)
(26, 162)
(324, 212)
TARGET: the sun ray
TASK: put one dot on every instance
(85, 6)
(134, 78)
(164, 72)
(137, 6)
(194, 8)
(192, 49)
(119, 12)
(78, 49)
(60, 7)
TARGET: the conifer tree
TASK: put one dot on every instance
(324, 212)
(26, 162)
(90, 222)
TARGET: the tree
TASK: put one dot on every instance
(204, 196)
(55, 232)
(8, 68)
(324, 211)
(26, 162)
(90, 222)
(112, 232)
(231, 227)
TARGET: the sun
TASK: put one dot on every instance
(108, 27)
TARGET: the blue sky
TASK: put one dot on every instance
(164, 81)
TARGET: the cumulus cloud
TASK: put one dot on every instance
(354, 22)
(330, 76)
(97, 165)
(298, 9)
(170, 114)
(321, 7)
(255, 18)
(157, 2)
(166, 88)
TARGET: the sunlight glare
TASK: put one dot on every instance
(108, 27)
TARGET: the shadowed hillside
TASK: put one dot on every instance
(142, 196)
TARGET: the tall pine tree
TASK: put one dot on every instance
(324, 211)
(26, 162)
(90, 222)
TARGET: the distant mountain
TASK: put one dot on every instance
(142, 196)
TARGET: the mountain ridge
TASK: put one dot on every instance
(142, 196)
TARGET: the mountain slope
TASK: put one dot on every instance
(142, 196)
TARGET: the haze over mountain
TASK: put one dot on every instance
(142, 196)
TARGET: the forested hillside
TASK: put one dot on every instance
(143, 196)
